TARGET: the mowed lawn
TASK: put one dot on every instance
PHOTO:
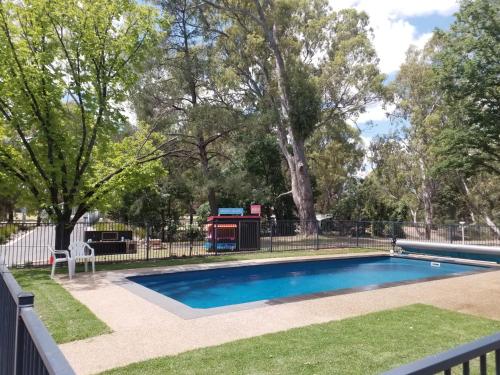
(65, 317)
(367, 344)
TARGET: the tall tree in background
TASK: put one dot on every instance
(336, 155)
(468, 70)
(396, 175)
(263, 163)
(468, 67)
(304, 67)
(420, 102)
(178, 92)
(65, 67)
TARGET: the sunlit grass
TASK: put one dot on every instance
(366, 344)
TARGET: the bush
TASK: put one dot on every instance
(6, 231)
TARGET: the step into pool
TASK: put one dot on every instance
(218, 287)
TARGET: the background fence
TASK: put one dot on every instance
(27, 243)
(26, 346)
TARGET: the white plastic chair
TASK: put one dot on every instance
(81, 251)
(61, 256)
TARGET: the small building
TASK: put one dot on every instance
(230, 230)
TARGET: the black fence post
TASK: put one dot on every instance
(357, 234)
(147, 241)
(272, 230)
(24, 300)
(317, 235)
(214, 236)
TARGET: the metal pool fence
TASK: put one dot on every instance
(26, 346)
(468, 358)
(26, 243)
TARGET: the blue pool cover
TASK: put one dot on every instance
(454, 254)
(230, 286)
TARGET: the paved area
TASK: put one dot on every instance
(31, 246)
(143, 330)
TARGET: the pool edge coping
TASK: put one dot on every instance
(186, 312)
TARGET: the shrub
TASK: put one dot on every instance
(6, 231)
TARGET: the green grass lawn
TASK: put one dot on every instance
(367, 344)
(65, 317)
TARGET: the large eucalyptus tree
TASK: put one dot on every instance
(302, 67)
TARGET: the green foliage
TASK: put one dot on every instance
(305, 103)
(336, 155)
(264, 173)
(65, 68)
(180, 92)
(468, 67)
(203, 213)
(6, 231)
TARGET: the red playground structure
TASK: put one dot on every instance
(231, 231)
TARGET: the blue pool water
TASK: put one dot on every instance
(229, 286)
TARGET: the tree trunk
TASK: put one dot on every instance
(427, 197)
(205, 169)
(301, 189)
(10, 217)
(63, 234)
(473, 207)
(413, 215)
(428, 215)
(472, 216)
(299, 173)
(491, 224)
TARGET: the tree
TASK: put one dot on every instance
(9, 196)
(482, 194)
(419, 101)
(65, 67)
(178, 92)
(336, 156)
(302, 66)
(264, 173)
(396, 176)
(468, 67)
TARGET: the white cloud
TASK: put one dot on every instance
(393, 34)
(375, 112)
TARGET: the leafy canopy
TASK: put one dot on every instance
(469, 70)
(65, 69)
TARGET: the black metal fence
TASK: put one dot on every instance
(466, 358)
(26, 346)
(27, 243)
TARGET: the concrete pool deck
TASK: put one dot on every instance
(144, 330)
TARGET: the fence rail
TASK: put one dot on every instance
(461, 356)
(26, 243)
(26, 346)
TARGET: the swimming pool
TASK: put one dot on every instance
(219, 287)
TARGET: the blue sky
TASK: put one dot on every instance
(423, 25)
(397, 24)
